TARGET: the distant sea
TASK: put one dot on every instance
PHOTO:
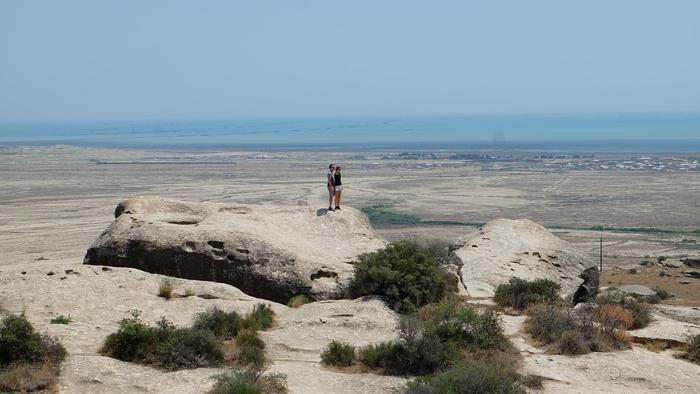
(649, 133)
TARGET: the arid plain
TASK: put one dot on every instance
(55, 200)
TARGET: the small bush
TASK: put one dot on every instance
(298, 300)
(469, 378)
(260, 318)
(641, 314)
(251, 349)
(435, 339)
(28, 377)
(190, 293)
(165, 289)
(338, 354)
(20, 343)
(572, 343)
(249, 381)
(693, 352)
(29, 361)
(547, 322)
(662, 294)
(613, 316)
(61, 320)
(407, 273)
(163, 346)
(519, 293)
(222, 324)
(535, 382)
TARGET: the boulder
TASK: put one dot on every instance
(267, 251)
(505, 248)
(589, 288)
(672, 263)
(633, 290)
(693, 261)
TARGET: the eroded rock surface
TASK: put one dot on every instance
(505, 248)
(267, 251)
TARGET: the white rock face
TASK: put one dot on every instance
(98, 299)
(271, 252)
(506, 248)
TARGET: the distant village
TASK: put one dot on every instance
(515, 161)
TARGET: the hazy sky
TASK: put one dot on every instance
(152, 59)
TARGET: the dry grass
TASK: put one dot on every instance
(614, 316)
(190, 293)
(25, 377)
(165, 290)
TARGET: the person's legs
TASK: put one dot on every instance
(337, 199)
(331, 194)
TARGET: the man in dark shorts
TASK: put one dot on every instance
(330, 183)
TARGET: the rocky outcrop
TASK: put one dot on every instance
(505, 248)
(693, 261)
(589, 288)
(267, 251)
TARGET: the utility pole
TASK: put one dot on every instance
(600, 267)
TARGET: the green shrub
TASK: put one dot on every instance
(662, 294)
(407, 273)
(61, 320)
(451, 321)
(469, 378)
(163, 346)
(20, 343)
(572, 343)
(260, 318)
(547, 322)
(693, 352)
(593, 329)
(222, 324)
(29, 361)
(338, 354)
(299, 300)
(251, 348)
(249, 381)
(434, 339)
(519, 293)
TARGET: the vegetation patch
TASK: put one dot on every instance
(339, 354)
(220, 323)
(249, 381)
(593, 328)
(693, 352)
(470, 378)
(61, 320)
(407, 273)
(165, 290)
(433, 339)
(381, 214)
(641, 314)
(299, 300)
(29, 361)
(520, 293)
(170, 348)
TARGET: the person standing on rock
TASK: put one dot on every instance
(338, 187)
(330, 179)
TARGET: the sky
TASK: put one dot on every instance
(168, 59)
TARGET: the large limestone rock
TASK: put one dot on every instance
(267, 251)
(505, 248)
(97, 298)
